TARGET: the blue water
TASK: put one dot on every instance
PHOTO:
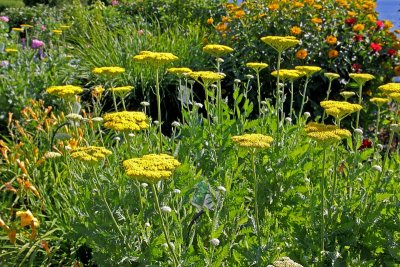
(389, 9)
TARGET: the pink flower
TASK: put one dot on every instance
(4, 18)
(114, 2)
(380, 24)
(43, 28)
(36, 44)
(375, 47)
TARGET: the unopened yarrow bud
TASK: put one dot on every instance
(166, 209)
(377, 168)
(215, 242)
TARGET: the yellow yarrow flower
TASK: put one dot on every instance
(155, 58)
(65, 27)
(64, 91)
(308, 70)
(253, 140)
(339, 109)
(151, 168)
(256, 66)
(180, 72)
(90, 154)
(361, 78)
(26, 26)
(11, 50)
(288, 74)
(347, 94)
(207, 77)
(17, 29)
(331, 76)
(390, 88)
(379, 101)
(121, 91)
(108, 70)
(57, 32)
(217, 50)
(280, 43)
(126, 121)
(395, 96)
(326, 134)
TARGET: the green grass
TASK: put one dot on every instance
(10, 3)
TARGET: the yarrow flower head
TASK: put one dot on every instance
(308, 70)
(395, 96)
(256, 66)
(331, 76)
(155, 58)
(280, 43)
(339, 109)
(151, 168)
(64, 91)
(180, 72)
(121, 91)
(217, 50)
(390, 88)
(108, 70)
(90, 154)
(253, 140)
(126, 121)
(288, 74)
(326, 134)
(361, 78)
(206, 77)
(379, 101)
(285, 262)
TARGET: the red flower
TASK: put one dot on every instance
(358, 37)
(350, 21)
(380, 24)
(356, 67)
(366, 143)
(375, 47)
(391, 52)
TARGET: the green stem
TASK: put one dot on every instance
(322, 230)
(291, 99)
(207, 104)
(327, 98)
(278, 100)
(181, 97)
(257, 218)
(159, 110)
(303, 96)
(175, 258)
(387, 151)
(259, 93)
(359, 102)
(377, 125)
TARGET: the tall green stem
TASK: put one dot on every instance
(278, 100)
(157, 203)
(327, 98)
(377, 125)
(303, 96)
(359, 102)
(159, 110)
(257, 218)
(291, 99)
(259, 93)
(322, 230)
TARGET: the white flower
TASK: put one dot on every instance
(175, 124)
(67, 148)
(214, 242)
(358, 131)
(249, 76)
(380, 147)
(237, 81)
(145, 103)
(97, 119)
(144, 185)
(377, 168)
(176, 191)
(307, 114)
(147, 224)
(199, 105)
(214, 86)
(220, 60)
(288, 120)
(221, 188)
(74, 117)
(166, 209)
(117, 138)
(131, 134)
(52, 155)
(156, 122)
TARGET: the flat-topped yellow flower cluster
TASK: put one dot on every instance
(253, 140)
(217, 50)
(90, 154)
(151, 168)
(126, 121)
(326, 134)
(108, 70)
(155, 58)
(339, 109)
(64, 91)
(280, 43)
(288, 74)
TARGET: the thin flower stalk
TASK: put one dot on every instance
(160, 141)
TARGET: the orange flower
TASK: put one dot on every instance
(358, 27)
(221, 27)
(239, 14)
(316, 20)
(273, 6)
(12, 235)
(331, 40)
(333, 53)
(301, 54)
(26, 217)
(210, 21)
(298, 4)
(317, 6)
(295, 30)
